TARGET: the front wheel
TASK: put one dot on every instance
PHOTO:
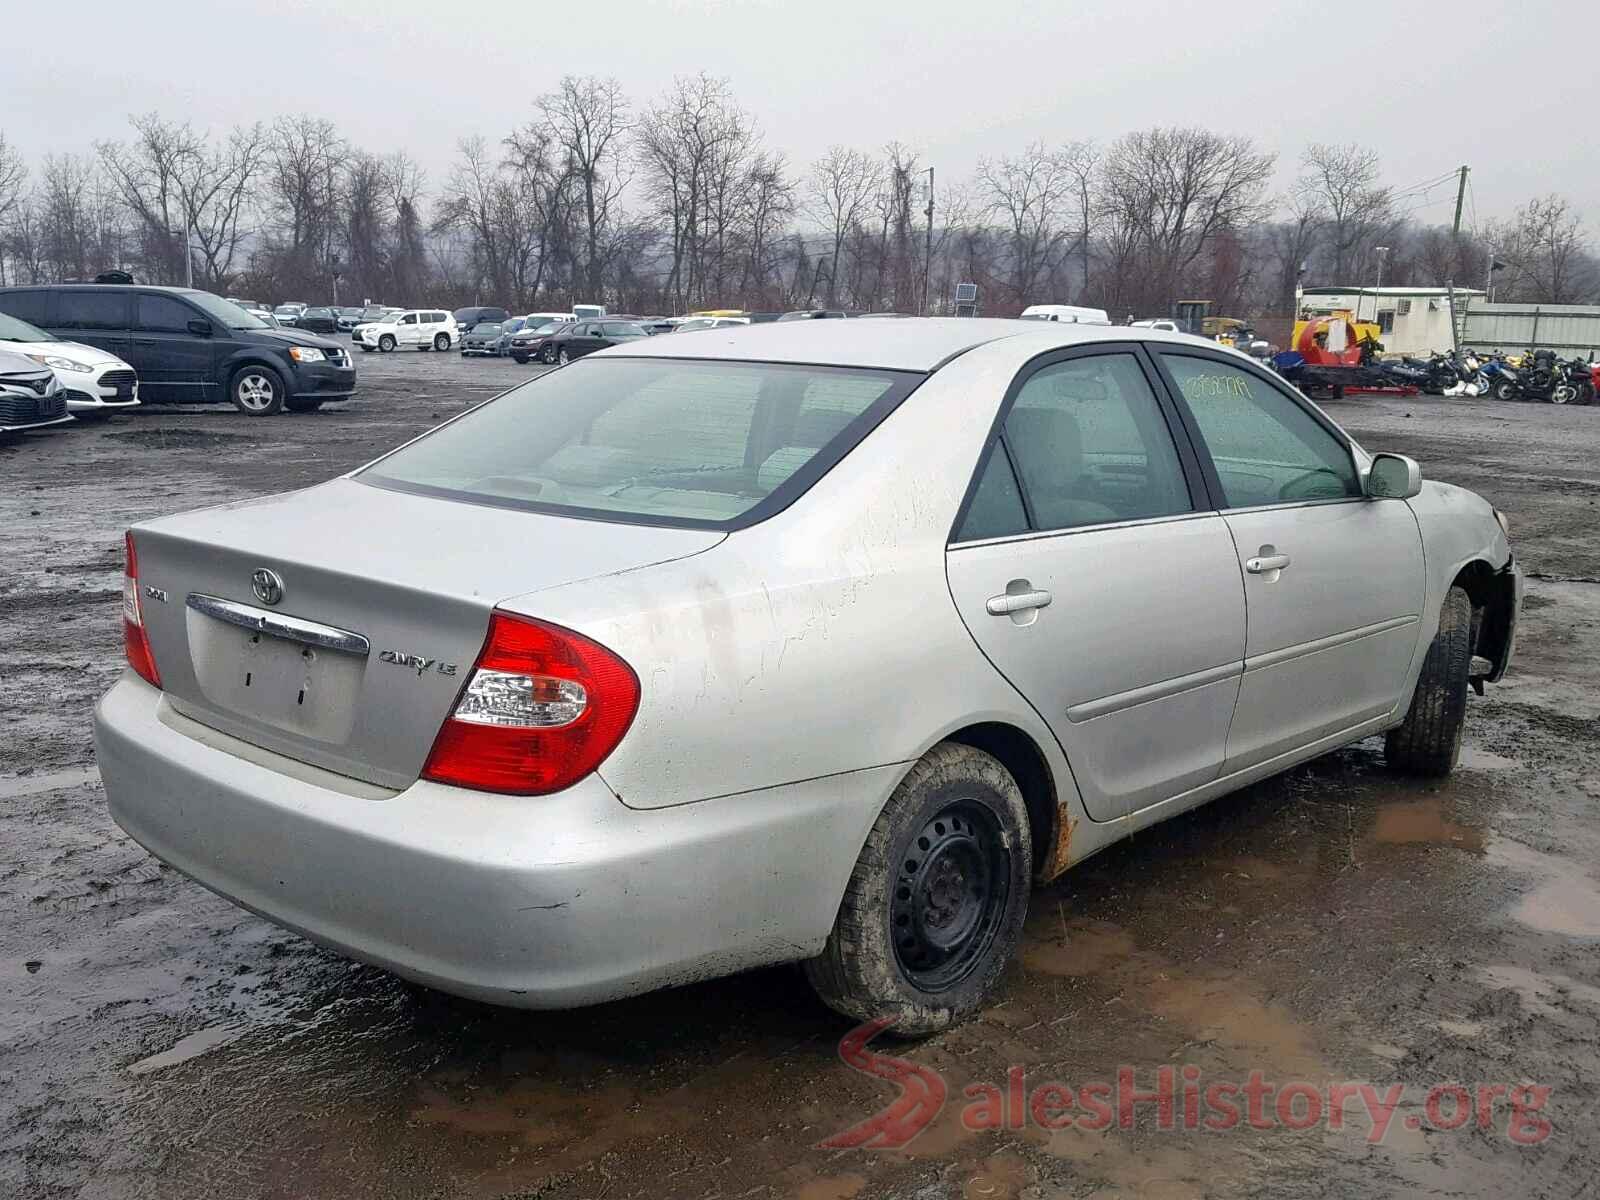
(386, 342)
(1563, 393)
(257, 391)
(1505, 390)
(1428, 742)
(937, 900)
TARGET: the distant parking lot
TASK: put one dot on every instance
(1338, 923)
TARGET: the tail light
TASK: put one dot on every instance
(135, 642)
(543, 708)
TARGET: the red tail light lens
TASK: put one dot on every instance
(135, 642)
(543, 708)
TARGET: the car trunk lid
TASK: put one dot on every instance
(379, 603)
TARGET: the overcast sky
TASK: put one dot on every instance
(1507, 88)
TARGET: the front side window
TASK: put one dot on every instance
(1267, 448)
(163, 314)
(409, 319)
(91, 310)
(1090, 445)
(707, 444)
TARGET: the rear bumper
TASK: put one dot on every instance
(542, 902)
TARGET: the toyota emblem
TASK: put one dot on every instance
(267, 585)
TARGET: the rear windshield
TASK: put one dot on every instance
(653, 441)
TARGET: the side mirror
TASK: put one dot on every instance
(200, 327)
(1393, 477)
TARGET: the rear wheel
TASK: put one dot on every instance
(937, 900)
(1563, 393)
(257, 391)
(1428, 742)
(1505, 390)
(548, 355)
(563, 357)
(441, 341)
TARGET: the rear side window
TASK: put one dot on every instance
(163, 314)
(662, 441)
(31, 306)
(91, 310)
(1090, 445)
(1266, 448)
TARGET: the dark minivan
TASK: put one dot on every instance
(466, 318)
(191, 347)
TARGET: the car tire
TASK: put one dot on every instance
(562, 357)
(548, 356)
(257, 391)
(954, 835)
(441, 341)
(303, 404)
(386, 343)
(1428, 742)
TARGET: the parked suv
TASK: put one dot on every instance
(424, 328)
(191, 347)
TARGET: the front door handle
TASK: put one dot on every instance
(1016, 602)
(1266, 562)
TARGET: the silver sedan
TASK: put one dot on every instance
(821, 641)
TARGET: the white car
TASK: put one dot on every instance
(1161, 323)
(823, 643)
(98, 384)
(423, 328)
(693, 324)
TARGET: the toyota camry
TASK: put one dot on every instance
(821, 641)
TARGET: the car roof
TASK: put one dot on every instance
(915, 344)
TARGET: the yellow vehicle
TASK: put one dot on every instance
(1365, 331)
(721, 312)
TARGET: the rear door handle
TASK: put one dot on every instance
(1015, 602)
(1263, 563)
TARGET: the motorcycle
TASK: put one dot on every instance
(1468, 376)
(1499, 379)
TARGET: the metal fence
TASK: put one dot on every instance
(1568, 329)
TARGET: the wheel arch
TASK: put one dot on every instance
(1050, 823)
(1494, 600)
(253, 357)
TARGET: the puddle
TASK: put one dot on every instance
(14, 786)
(189, 1047)
(1541, 993)
(1424, 821)
(1474, 758)
(1215, 1006)
(1564, 900)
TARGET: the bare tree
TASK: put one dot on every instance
(1174, 192)
(587, 121)
(173, 179)
(303, 160)
(13, 178)
(1358, 211)
(841, 189)
(1546, 252)
(1028, 196)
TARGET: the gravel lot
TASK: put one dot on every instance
(1336, 923)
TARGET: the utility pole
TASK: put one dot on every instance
(927, 245)
(1450, 285)
(1461, 195)
(188, 252)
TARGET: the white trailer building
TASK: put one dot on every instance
(1414, 320)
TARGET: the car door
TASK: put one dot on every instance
(95, 317)
(1334, 581)
(406, 329)
(174, 363)
(1090, 570)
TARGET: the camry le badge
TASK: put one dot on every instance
(416, 662)
(267, 585)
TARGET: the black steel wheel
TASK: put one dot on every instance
(949, 896)
(936, 903)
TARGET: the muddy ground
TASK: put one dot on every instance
(1337, 923)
